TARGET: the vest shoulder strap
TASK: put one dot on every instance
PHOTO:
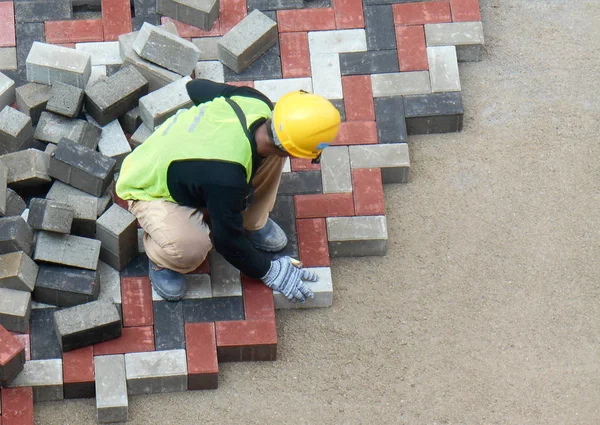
(240, 114)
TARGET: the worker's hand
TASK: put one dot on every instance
(286, 278)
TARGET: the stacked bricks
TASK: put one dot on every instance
(390, 69)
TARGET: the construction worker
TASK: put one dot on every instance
(223, 156)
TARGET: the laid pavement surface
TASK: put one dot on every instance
(486, 309)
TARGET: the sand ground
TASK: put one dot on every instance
(487, 308)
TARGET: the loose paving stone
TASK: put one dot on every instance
(113, 142)
(65, 286)
(16, 131)
(393, 159)
(15, 205)
(104, 53)
(45, 214)
(87, 324)
(208, 47)
(141, 134)
(44, 344)
(466, 36)
(357, 236)
(434, 113)
(156, 372)
(322, 290)
(110, 284)
(53, 128)
(312, 242)
(81, 202)
(81, 167)
(7, 91)
(15, 308)
(159, 46)
(266, 67)
(12, 356)
(158, 106)
(67, 250)
(108, 99)
(18, 271)
(65, 100)
(249, 39)
(111, 388)
(156, 76)
(198, 13)
(117, 230)
(32, 99)
(4, 189)
(131, 120)
(47, 64)
(27, 168)
(44, 376)
(15, 235)
(210, 70)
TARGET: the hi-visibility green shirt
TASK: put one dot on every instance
(202, 158)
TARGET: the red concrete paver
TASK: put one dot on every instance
(258, 300)
(295, 57)
(324, 205)
(231, 12)
(368, 191)
(132, 340)
(248, 340)
(422, 13)
(116, 17)
(7, 24)
(312, 242)
(465, 10)
(77, 31)
(357, 133)
(412, 48)
(78, 372)
(188, 31)
(17, 406)
(305, 20)
(201, 350)
(348, 14)
(358, 98)
(303, 164)
(136, 298)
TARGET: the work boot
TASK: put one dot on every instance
(271, 238)
(167, 283)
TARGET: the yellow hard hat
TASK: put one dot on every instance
(304, 124)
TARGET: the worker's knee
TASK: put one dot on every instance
(186, 254)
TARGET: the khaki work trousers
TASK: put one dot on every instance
(177, 238)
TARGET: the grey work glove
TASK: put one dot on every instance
(286, 278)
